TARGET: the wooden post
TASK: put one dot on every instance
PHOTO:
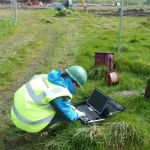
(147, 90)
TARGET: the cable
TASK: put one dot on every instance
(112, 77)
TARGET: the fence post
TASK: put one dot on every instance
(120, 29)
(13, 12)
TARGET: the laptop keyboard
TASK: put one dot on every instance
(84, 118)
(90, 115)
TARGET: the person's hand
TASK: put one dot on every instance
(73, 107)
(80, 113)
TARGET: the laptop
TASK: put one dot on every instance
(98, 107)
(93, 107)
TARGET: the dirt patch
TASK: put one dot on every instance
(114, 12)
(128, 93)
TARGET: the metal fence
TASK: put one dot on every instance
(8, 11)
(13, 12)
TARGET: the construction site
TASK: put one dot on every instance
(108, 40)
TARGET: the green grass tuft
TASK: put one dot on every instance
(64, 12)
(5, 28)
(97, 73)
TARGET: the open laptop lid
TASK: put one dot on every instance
(97, 100)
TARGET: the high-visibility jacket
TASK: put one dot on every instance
(31, 110)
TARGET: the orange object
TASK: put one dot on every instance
(112, 77)
(37, 3)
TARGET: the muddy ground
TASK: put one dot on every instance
(126, 12)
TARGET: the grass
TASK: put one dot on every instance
(5, 25)
(42, 40)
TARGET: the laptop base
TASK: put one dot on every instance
(112, 107)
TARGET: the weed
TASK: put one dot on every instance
(146, 23)
(64, 12)
(5, 27)
(134, 41)
(123, 136)
(117, 135)
(147, 46)
(97, 73)
(125, 48)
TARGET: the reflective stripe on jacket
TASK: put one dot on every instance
(31, 110)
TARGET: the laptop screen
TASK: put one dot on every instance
(98, 100)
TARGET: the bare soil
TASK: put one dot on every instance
(126, 12)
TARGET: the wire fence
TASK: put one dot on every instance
(8, 11)
(13, 12)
